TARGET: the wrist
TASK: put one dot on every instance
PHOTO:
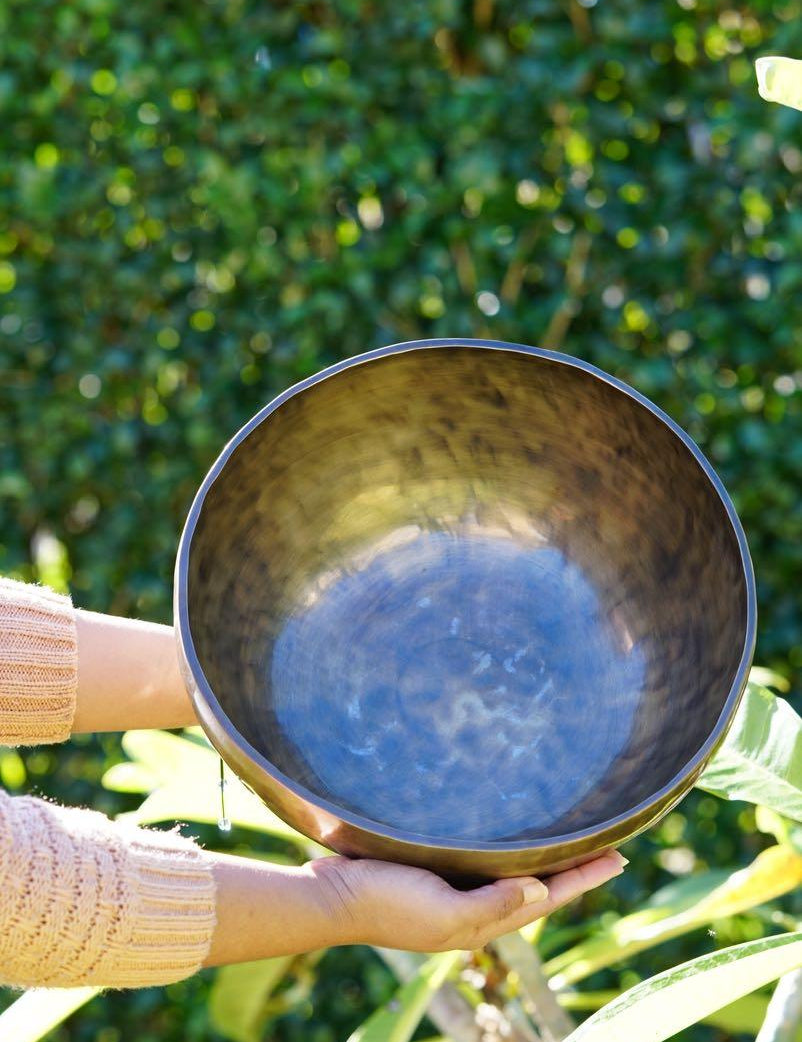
(336, 889)
(265, 910)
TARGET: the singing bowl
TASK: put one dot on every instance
(467, 605)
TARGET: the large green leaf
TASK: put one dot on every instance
(238, 1000)
(761, 757)
(397, 1020)
(744, 1016)
(40, 1010)
(665, 1004)
(682, 907)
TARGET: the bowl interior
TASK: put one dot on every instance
(472, 594)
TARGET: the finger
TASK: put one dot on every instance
(565, 887)
(497, 901)
(502, 898)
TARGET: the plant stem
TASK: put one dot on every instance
(448, 1010)
(575, 266)
(540, 1001)
(451, 1012)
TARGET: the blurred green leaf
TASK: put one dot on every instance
(689, 904)
(398, 1019)
(238, 1000)
(182, 779)
(665, 1004)
(12, 769)
(51, 561)
(129, 777)
(773, 824)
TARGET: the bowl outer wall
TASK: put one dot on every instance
(351, 834)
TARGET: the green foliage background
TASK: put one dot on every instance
(203, 203)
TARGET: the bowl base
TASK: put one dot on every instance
(442, 685)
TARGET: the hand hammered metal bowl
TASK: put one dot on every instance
(466, 605)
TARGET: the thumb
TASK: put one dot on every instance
(500, 899)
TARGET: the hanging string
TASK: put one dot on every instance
(223, 822)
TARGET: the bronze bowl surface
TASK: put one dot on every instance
(467, 605)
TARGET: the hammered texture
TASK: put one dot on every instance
(474, 595)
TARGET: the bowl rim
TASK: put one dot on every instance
(676, 785)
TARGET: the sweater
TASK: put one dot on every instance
(83, 900)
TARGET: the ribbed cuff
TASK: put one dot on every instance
(89, 901)
(38, 664)
(169, 919)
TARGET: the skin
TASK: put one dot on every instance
(128, 678)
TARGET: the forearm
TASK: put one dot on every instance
(128, 676)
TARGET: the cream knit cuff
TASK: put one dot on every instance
(88, 901)
(38, 664)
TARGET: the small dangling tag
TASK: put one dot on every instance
(223, 823)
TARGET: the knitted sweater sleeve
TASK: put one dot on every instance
(38, 664)
(83, 900)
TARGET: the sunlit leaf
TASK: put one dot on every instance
(761, 758)
(40, 1010)
(622, 938)
(773, 824)
(129, 777)
(13, 773)
(185, 800)
(764, 677)
(693, 903)
(397, 1020)
(744, 1016)
(665, 1004)
(238, 1000)
(164, 753)
(51, 560)
(780, 80)
(182, 777)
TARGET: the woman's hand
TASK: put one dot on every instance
(392, 906)
(265, 909)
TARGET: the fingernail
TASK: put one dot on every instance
(534, 892)
(622, 861)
